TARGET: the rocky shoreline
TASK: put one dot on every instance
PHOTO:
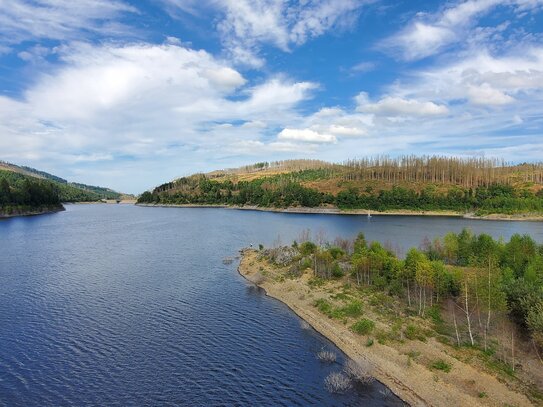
(363, 212)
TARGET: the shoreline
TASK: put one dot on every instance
(412, 382)
(33, 212)
(358, 212)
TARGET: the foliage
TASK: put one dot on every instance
(21, 190)
(442, 365)
(417, 183)
(363, 327)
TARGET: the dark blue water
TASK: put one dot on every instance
(121, 305)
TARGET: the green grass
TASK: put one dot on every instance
(442, 365)
(363, 327)
(413, 332)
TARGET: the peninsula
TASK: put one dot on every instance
(452, 324)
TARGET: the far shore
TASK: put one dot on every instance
(32, 212)
(361, 212)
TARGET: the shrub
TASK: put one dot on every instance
(337, 382)
(324, 306)
(307, 248)
(369, 342)
(413, 332)
(442, 365)
(352, 309)
(363, 327)
(337, 272)
(359, 371)
(326, 356)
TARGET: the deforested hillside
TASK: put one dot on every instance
(427, 183)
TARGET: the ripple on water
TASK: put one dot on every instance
(129, 306)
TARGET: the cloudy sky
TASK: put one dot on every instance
(130, 94)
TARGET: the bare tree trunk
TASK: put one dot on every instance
(456, 327)
(513, 347)
(408, 294)
(468, 316)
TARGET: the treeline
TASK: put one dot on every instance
(285, 190)
(101, 192)
(20, 190)
(465, 172)
(480, 291)
(68, 191)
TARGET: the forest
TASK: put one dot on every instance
(68, 191)
(19, 190)
(478, 291)
(420, 184)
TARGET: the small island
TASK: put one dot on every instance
(457, 322)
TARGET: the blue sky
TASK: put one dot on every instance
(130, 94)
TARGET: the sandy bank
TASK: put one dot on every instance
(413, 381)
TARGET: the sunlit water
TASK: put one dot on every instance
(113, 305)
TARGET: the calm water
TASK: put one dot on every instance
(122, 305)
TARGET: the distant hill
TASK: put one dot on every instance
(380, 183)
(68, 191)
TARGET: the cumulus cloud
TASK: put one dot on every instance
(141, 101)
(486, 95)
(305, 135)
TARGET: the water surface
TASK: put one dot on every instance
(124, 305)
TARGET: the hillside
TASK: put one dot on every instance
(68, 191)
(484, 186)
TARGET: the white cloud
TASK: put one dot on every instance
(397, 106)
(481, 78)
(363, 67)
(244, 25)
(142, 101)
(22, 20)
(428, 34)
(345, 131)
(486, 95)
(305, 135)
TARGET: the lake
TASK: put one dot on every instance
(129, 306)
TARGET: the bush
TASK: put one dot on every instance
(326, 356)
(307, 248)
(363, 327)
(442, 365)
(337, 272)
(324, 306)
(337, 382)
(352, 309)
(413, 332)
(359, 371)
